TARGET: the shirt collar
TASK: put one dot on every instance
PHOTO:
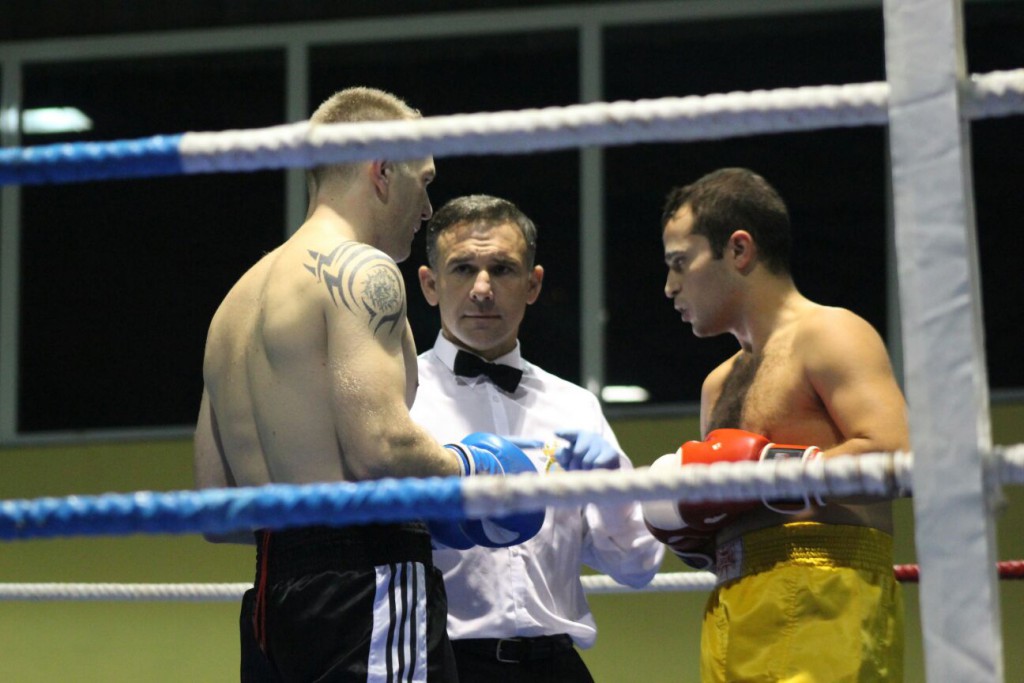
(445, 350)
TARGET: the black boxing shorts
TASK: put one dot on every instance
(361, 603)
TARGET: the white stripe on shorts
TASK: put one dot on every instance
(398, 643)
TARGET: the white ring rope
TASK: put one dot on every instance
(997, 93)
(601, 123)
(669, 582)
(124, 592)
(232, 592)
(695, 117)
(1011, 460)
(884, 475)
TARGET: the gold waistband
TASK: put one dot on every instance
(808, 544)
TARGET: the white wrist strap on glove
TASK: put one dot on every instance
(464, 458)
(695, 560)
(802, 453)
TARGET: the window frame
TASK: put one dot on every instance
(297, 40)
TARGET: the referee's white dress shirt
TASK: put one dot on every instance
(534, 588)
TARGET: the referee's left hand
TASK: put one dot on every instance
(586, 451)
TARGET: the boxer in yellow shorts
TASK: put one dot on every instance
(805, 591)
(804, 602)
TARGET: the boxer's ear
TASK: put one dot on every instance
(741, 249)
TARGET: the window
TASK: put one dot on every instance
(993, 33)
(833, 181)
(119, 279)
(483, 74)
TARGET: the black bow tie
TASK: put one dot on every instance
(505, 376)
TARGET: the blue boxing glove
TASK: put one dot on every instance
(446, 533)
(481, 453)
(586, 451)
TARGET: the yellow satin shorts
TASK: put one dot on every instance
(804, 602)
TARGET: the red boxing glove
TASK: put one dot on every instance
(689, 529)
(663, 518)
(695, 548)
(721, 445)
(736, 445)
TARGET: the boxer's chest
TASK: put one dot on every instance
(767, 394)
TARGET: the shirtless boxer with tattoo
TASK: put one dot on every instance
(309, 371)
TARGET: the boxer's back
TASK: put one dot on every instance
(266, 371)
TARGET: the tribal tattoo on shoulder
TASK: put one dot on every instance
(353, 266)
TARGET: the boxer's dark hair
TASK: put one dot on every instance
(731, 199)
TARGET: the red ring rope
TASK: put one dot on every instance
(911, 573)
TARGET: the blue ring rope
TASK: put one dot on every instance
(274, 506)
(78, 161)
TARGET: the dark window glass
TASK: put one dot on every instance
(833, 181)
(475, 74)
(120, 278)
(29, 19)
(993, 36)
